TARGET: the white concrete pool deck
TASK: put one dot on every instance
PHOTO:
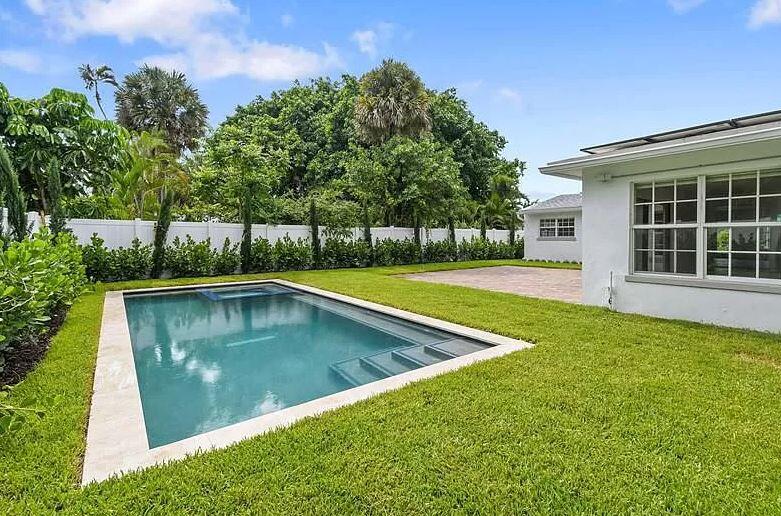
(116, 435)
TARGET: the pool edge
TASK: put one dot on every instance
(116, 434)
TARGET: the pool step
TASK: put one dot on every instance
(370, 368)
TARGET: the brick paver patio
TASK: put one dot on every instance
(561, 284)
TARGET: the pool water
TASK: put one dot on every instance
(208, 358)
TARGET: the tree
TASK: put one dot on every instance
(57, 213)
(392, 102)
(153, 99)
(314, 227)
(14, 198)
(59, 125)
(92, 78)
(246, 234)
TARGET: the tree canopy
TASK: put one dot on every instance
(155, 100)
(383, 144)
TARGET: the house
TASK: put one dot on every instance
(552, 229)
(685, 224)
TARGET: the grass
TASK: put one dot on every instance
(607, 413)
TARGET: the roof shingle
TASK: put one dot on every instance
(560, 202)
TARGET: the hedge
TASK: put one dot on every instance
(188, 258)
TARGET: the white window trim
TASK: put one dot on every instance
(556, 227)
(701, 278)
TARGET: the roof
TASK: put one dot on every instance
(764, 127)
(564, 202)
(696, 130)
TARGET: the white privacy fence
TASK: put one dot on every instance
(120, 233)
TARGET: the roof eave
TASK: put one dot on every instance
(572, 168)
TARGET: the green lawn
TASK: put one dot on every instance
(607, 413)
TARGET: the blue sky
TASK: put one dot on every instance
(551, 76)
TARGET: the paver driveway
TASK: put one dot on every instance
(561, 284)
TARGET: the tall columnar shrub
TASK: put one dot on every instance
(246, 234)
(14, 198)
(451, 229)
(56, 207)
(161, 232)
(367, 232)
(315, 229)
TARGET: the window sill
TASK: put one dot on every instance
(679, 281)
(556, 239)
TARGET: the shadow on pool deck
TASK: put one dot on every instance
(559, 284)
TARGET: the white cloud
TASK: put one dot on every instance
(20, 60)
(199, 36)
(510, 96)
(368, 40)
(684, 6)
(765, 12)
(286, 20)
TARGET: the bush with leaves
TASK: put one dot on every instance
(228, 259)
(38, 275)
(122, 264)
(342, 253)
(440, 251)
(292, 255)
(261, 255)
(396, 252)
(189, 258)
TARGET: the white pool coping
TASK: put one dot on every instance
(116, 435)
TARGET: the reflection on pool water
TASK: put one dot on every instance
(209, 358)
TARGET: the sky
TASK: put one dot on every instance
(551, 76)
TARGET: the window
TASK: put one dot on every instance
(743, 225)
(739, 230)
(665, 227)
(557, 228)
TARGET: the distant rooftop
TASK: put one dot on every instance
(560, 202)
(697, 130)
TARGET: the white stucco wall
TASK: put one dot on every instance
(606, 234)
(560, 250)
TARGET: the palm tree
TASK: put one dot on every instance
(92, 77)
(153, 99)
(392, 101)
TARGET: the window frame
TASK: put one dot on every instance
(557, 224)
(703, 227)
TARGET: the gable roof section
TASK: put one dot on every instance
(566, 202)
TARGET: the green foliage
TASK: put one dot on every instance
(56, 209)
(189, 258)
(161, 233)
(13, 197)
(392, 102)
(292, 255)
(261, 256)
(342, 253)
(121, 264)
(95, 206)
(59, 125)
(396, 252)
(440, 251)
(93, 77)
(153, 99)
(483, 249)
(37, 276)
(314, 228)
(246, 233)
(228, 260)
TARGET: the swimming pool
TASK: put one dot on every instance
(188, 369)
(208, 358)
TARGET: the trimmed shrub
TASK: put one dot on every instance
(261, 256)
(189, 258)
(340, 253)
(396, 252)
(228, 259)
(123, 264)
(440, 251)
(292, 255)
(38, 275)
